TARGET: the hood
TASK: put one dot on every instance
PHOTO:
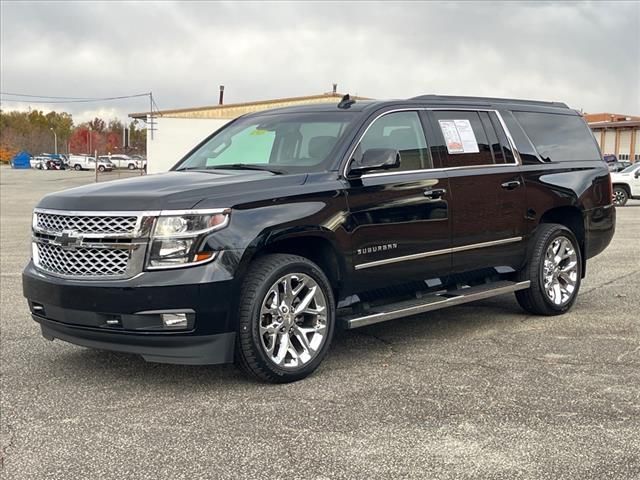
(170, 191)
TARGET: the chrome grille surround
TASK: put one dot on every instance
(87, 223)
(91, 245)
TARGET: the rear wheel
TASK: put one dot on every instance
(620, 196)
(555, 271)
(286, 318)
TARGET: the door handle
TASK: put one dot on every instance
(435, 193)
(511, 184)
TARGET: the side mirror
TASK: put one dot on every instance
(637, 174)
(375, 159)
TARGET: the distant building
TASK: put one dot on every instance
(172, 133)
(616, 134)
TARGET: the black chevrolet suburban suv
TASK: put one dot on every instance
(285, 226)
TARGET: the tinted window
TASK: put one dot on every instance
(494, 143)
(559, 138)
(403, 132)
(463, 147)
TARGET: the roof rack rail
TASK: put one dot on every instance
(453, 98)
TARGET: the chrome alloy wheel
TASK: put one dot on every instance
(293, 321)
(560, 270)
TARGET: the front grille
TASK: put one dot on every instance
(82, 262)
(90, 244)
(95, 224)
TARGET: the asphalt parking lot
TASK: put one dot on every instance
(477, 391)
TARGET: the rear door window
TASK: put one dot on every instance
(465, 139)
(558, 137)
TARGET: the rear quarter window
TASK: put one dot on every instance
(559, 138)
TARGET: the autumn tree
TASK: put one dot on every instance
(33, 132)
(97, 125)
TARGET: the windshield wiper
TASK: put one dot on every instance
(183, 169)
(247, 166)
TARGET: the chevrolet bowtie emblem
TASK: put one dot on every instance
(67, 240)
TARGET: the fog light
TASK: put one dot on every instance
(174, 320)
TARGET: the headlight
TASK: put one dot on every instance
(178, 239)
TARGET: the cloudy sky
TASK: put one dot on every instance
(586, 54)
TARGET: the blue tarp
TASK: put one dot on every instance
(21, 160)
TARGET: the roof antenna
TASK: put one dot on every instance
(346, 102)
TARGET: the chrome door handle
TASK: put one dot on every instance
(435, 193)
(511, 185)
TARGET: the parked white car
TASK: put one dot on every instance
(141, 162)
(122, 161)
(626, 184)
(84, 162)
(38, 162)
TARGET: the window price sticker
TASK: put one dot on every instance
(459, 136)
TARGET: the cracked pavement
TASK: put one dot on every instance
(476, 391)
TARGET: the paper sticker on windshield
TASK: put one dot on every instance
(257, 131)
(459, 136)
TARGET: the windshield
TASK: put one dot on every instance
(285, 143)
(630, 168)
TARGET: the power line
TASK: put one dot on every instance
(44, 99)
(44, 96)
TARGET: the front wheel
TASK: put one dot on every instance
(620, 196)
(286, 318)
(101, 168)
(131, 166)
(554, 268)
(77, 167)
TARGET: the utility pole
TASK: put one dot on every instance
(55, 139)
(151, 112)
(89, 140)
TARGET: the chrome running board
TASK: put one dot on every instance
(434, 301)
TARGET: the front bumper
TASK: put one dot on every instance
(160, 348)
(125, 315)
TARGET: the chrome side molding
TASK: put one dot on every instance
(434, 253)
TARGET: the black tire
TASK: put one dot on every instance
(77, 167)
(101, 168)
(131, 166)
(534, 299)
(620, 196)
(262, 275)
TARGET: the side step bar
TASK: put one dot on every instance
(434, 301)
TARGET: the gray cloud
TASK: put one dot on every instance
(587, 54)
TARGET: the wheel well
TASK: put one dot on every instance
(624, 186)
(317, 249)
(571, 218)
